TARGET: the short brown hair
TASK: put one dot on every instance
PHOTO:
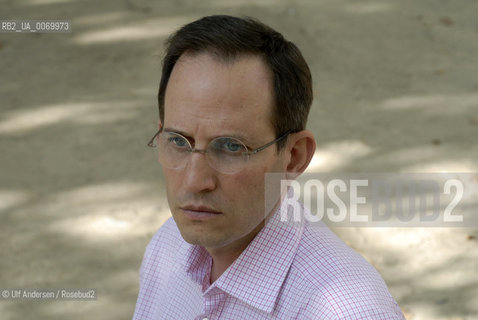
(227, 37)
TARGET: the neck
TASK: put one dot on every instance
(223, 257)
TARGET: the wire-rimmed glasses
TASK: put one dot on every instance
(225, 154)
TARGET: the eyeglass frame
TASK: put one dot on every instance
(195, 150)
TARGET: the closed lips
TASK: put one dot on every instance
(200, 209)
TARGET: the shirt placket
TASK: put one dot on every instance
(214, 300)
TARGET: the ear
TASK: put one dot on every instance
(300, 149)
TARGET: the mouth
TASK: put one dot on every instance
(200, 212)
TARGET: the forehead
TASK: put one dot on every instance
(210, 95)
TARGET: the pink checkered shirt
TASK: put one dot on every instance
(289, 271)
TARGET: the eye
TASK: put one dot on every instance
(177, 141)
(228, 145)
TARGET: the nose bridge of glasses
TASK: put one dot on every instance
(202, 151)
(208, 156)
(199, 163)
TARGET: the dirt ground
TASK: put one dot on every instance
(396, 90)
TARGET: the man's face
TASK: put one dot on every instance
(207, 98)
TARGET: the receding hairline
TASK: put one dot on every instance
(189, 56)
(223, 57)
(227, 61)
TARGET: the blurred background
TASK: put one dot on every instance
(396, 90)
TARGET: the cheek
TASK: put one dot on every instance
(245, 190)
(250, 189)
(172, 180)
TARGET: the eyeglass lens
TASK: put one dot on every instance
(224, 154)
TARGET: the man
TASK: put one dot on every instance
(233, 102)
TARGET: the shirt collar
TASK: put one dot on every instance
(262, 267)
(197, 264)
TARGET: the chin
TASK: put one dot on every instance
(200, 240)
(193, 237)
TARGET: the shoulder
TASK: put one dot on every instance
(160, 261)
(163, 245)
(340, 279)
(166, 236)
(323, 251)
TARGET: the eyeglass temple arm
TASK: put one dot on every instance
(151, 142)
(270, 143)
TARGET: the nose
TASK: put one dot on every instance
(198, 175)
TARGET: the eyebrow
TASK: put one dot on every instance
(240, 137)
